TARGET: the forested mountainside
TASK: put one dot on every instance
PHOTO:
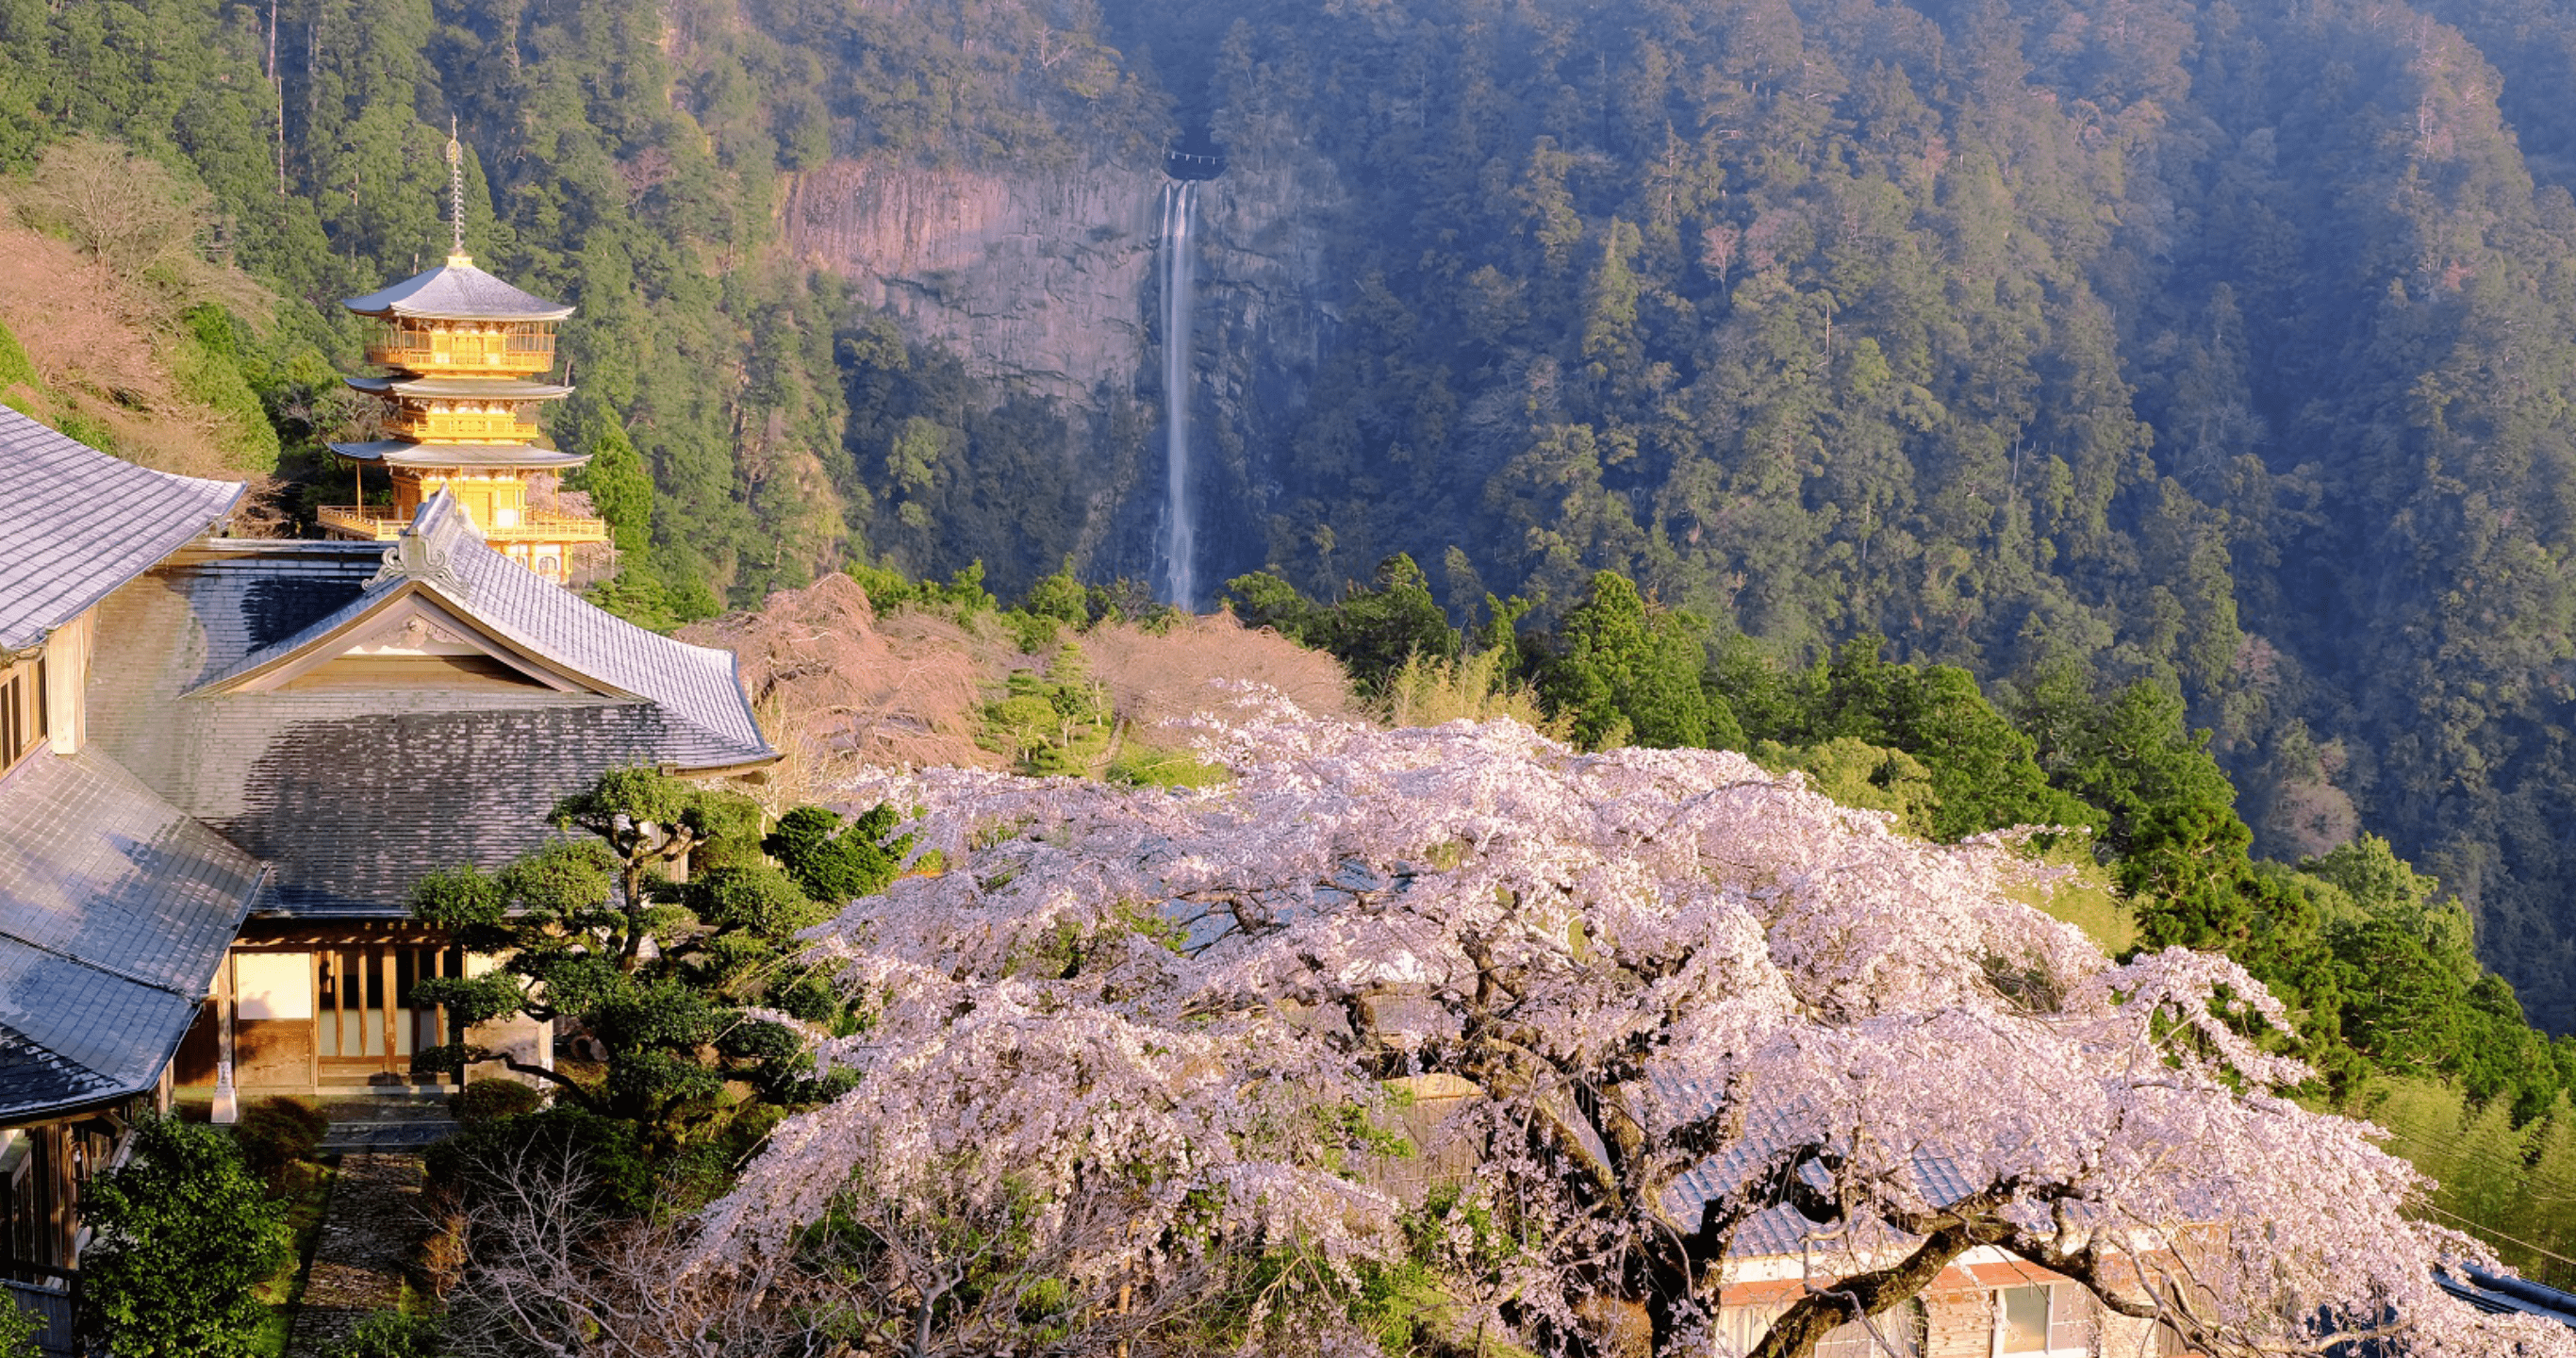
(2226, 347)
(2223, 344)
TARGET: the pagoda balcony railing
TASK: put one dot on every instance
(366, 521)
(382, 524)
(451, 425)
(430, 351)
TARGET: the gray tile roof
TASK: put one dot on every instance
(458, 292)
(76, 523)
(405, 453)
(354, 795)
(115, 908)
(441, 552)
(1771, 1124)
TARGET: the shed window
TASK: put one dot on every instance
(2047, 1318)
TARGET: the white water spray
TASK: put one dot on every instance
(1180, 269)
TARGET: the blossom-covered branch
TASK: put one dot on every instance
(1555, 1027)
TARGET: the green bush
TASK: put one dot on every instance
(395, 1335)
(16, 370)
(17, 1329)
(483, 1156)
(205, 361)
(277, 1132)
(1139, 767)
(491, 1100)
(835, 862)
(184, 1232)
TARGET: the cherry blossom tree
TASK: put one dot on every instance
(1657, 992)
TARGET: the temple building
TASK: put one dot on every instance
(224, 762)
(117, 908)
(469, 356)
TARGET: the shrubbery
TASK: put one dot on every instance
(184, 1232)
(492, 1100)
(277, 1132)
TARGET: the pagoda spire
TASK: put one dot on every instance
(456, 196)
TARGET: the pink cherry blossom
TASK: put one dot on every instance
(1677, 992)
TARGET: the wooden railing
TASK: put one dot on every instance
(425, 351)
(535, 525)
(371, 521)
(51, 1295)
(449, 424)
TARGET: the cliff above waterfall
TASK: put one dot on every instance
(1036, 278)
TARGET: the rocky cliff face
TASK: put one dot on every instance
(1038, 280)
(1046, 284)
(1268, 309)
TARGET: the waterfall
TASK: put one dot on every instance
(1180, 517)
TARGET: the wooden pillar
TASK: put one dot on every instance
(440, 955)
(227, 1012)
(313, 1076)
(58, 1186)
(393, 992)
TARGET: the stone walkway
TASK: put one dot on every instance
(368, 1232)
(373, 1124)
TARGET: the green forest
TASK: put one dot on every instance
(2120, 372)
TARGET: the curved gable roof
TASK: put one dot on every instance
(75, 523)
(442, 555)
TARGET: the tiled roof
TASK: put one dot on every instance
(115, 908)
(457, 291)
(442, 552)
(354, 795)
(2498, 1293)
(405, 453)
(76, 523)
(1770, 1125)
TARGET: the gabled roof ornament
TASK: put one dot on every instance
(427, 551)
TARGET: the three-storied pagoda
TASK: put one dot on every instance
(469, 355)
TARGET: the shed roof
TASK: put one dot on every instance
(1770, 1125)
(456, 291)
(115, 908)
(75, 523)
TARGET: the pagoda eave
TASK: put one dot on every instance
(460, 388)
(456, 291)
(403, 453)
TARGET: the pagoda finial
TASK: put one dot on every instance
(456, 195)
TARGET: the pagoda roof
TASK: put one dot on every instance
(75, 523)
(462, 388)
(405, 453)
(457, 291)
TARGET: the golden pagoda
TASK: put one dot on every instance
(469, 355)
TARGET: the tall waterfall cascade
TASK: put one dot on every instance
(1180, 282)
